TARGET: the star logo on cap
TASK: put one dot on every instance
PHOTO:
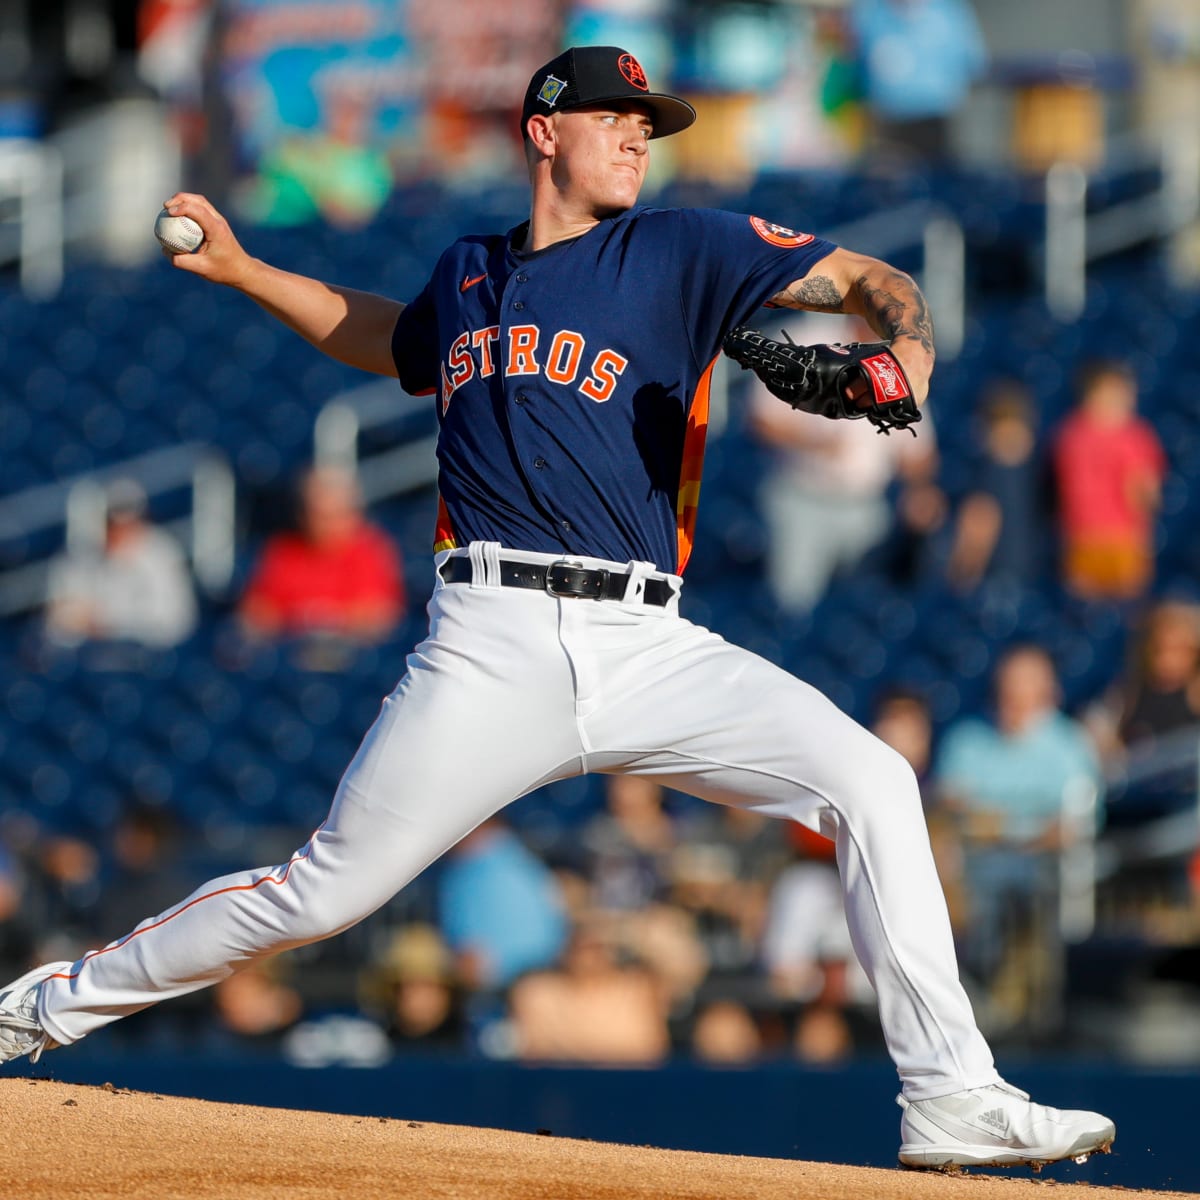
(551, 90)
(631, 69)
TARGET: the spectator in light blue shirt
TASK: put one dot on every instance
(1019, 785)
(918, 60)
(502, 911)
(1008, 775)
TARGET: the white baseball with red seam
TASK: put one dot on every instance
(180, 235)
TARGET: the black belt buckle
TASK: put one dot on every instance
(575, 581)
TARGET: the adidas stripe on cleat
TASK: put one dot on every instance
(997, 1126)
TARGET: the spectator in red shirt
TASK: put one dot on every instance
(1109, 466)
(338, 575)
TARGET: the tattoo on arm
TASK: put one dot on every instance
(895, 308)
(818, 293)
(891, 303)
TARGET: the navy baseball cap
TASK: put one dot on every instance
(596, 75)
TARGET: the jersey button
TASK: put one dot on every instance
(522, 398)
(566, 525)
(518, 305)
(539, 462)
(522, 278)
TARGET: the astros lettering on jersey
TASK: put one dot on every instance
(526, 351)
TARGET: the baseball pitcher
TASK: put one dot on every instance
(569, 360)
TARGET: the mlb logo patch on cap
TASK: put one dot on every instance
(551, 90)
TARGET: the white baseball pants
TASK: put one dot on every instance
(513, 689)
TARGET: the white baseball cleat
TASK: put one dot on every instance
(20, 1031)
(997, 1126)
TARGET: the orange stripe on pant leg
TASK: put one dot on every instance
(240, 887)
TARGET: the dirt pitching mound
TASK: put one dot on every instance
(62, 1141)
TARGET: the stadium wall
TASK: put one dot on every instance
(843, 1114)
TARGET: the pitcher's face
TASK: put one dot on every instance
(601, 154)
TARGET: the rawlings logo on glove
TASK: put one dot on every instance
(819, 379)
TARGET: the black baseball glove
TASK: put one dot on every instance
(817, 379)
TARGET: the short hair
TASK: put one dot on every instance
(125, 497)
(1008, 399)
(901, 695)
(1093, 370)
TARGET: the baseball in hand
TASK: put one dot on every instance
(180, 235)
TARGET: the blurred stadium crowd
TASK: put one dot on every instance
(1012, 600)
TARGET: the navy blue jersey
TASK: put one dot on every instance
(572, 382)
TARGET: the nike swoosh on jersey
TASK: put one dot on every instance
(470, 283)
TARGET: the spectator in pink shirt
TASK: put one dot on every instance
(1109, 467)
